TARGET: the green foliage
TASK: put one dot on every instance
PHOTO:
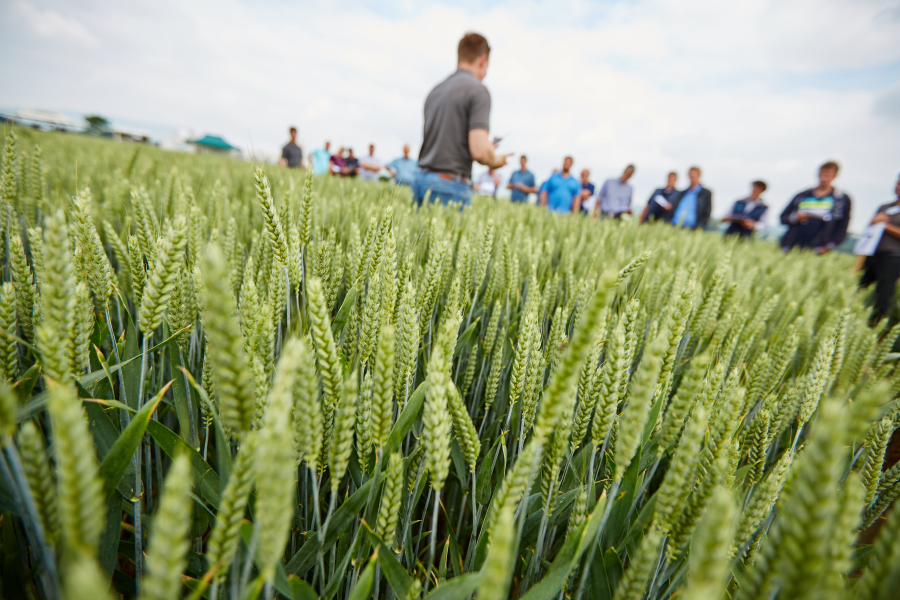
(707, 417)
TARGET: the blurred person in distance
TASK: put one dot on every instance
(457, 122)
(487, 183)
(521, 182)
(351, 164)
(291, 154)
(659, 206)
(370, 166)
(321, 159)
(403, 169)
(817, 218)
(587, 193)
(614, 198)
(748, 215)
(562, 192)
(691, 208)
(337, 162)
(883, 267)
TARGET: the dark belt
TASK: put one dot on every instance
(449, 176)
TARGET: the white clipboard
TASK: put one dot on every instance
(868, 240)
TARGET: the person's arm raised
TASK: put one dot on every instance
(482, 150)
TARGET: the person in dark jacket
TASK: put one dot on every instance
(817, 218)
(659, 205)
(883, 267)
(748, 215)
(692, 207)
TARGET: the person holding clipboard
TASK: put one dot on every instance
(882, 267)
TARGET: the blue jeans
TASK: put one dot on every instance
(444, 190)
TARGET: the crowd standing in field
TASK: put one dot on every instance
(456, 133)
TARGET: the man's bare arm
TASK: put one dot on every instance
(482, 150)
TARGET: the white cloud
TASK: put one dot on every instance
(755, 89)
(52, 26)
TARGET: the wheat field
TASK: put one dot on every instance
(231, 381)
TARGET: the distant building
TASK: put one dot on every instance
(43, 119)
(211, 144)
(125, 134)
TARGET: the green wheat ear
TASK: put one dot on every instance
(230, 367)
(225, 536)
(163, 276)
(57, 305)
(169, 542)
(81, 504)
(8, 352)
(307, 410)
(635, 580)
(497, 570)
(9, 407)
(342, 437)
(275, 466)
(382, 395)
(40, 478)
(389, 512)
(85, 579)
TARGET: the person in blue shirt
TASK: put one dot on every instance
(563, 192)
(403, 170)
(321, 159)
(521, 182)
(692, 207)
(659, 205)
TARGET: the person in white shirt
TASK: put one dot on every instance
(487, 183)
(614, 197)
(370, 166)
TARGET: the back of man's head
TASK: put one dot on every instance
(471, 47)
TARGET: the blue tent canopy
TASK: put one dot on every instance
(212, 141)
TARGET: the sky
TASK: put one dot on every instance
(757, 89)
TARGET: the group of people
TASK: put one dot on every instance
(343, 162)
(455, 133)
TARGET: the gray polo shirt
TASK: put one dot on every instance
(292, 154)
(456, 106)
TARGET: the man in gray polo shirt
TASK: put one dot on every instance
(457, 121)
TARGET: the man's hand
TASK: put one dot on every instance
(483, 150)
(803, 216)
(880, 218)
(748, 223)
(544, 199)
(282, 162)
(821, 250)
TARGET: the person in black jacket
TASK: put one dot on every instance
(817, 218)
(883, 267)
(692, 207)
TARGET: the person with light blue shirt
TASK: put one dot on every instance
(321, 159)
(521, 182)
(562, 192)
(404, 169)
(692, 207)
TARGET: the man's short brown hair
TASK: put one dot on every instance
(695, 169)
(471, 47)
(761, 185)
(830, 165)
